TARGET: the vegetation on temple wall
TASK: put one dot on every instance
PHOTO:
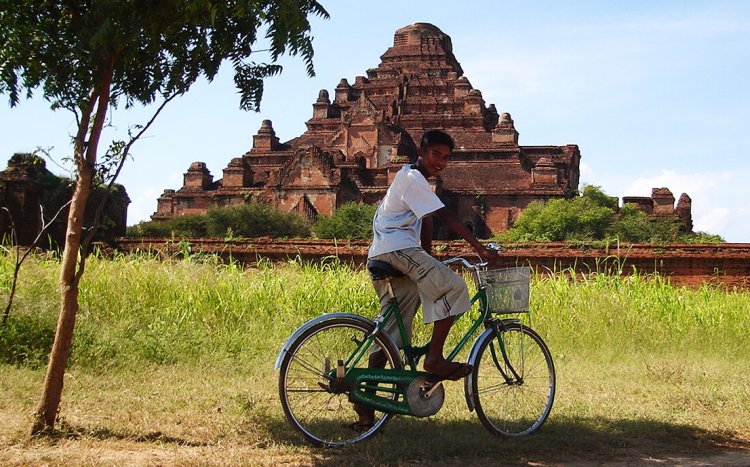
(254, 220)
(701, 237)
(595, 216)
(189, 225)
(351, 221)
(249, 220)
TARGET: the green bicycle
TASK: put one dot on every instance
(324, 366)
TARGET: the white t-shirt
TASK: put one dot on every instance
(398, 221)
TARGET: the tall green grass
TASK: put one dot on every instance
(610, 315)
(173, 359)
(140, 309)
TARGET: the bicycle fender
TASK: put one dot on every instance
(468, 386)
(296, 334)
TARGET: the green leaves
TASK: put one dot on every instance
(249, 79)
(351, 221)
(250, 220)
(561, 219)
(254, 220)
(155, 48)
(593, 216)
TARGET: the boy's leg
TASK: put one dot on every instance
(444, 295)
(435, 361)
(407, 294)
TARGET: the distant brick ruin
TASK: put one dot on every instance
(28, 192)
(661, 205)
(357, 141)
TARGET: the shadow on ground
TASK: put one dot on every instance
(67, 431)
(562, 441)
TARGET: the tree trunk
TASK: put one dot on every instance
(53, 384)
(71, 270)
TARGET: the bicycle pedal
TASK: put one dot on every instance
(432, 389)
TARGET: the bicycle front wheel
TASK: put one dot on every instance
(513, 390)
(312, 404)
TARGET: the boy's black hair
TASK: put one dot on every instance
(434, 137)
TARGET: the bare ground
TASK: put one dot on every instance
(619, 444)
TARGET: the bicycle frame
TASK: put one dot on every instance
(363, 378)
(412, 354)
(325, 365)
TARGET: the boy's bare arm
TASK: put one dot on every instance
(426, 234)
(450, 220)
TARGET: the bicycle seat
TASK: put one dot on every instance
(379, 270)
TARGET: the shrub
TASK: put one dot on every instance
(190, 225)
(701, 237)
(254, 220)
(578, 219)
(351, 221)
(595, 195)
(594, 216)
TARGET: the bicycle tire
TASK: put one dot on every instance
(323, 417)
(519, 407)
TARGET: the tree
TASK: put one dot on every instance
(585, 217)
(596, 216)
(90, 55)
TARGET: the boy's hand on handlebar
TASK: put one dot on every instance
(487, 254)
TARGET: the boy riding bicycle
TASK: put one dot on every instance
(402, 237)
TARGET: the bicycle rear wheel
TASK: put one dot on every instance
(513, 396)
(314, 406)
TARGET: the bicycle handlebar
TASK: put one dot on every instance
(467, 264)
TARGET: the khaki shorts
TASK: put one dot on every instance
(441, 291)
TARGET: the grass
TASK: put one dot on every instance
(173, 364)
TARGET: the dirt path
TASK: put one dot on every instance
(133, 453)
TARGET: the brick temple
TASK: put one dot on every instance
(31, 196)
(357, 139)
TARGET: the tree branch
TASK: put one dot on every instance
(20, 259)
(124, 154)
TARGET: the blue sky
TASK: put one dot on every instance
(655, 93)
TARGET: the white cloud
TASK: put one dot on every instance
(143, 204)
(714, 220)
(718, 199)
(695, 185)
(587, 173)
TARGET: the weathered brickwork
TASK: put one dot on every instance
(28, 192)
(358, 139)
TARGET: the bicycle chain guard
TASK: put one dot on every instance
(423, 397)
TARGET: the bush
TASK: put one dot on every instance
(594, 216)
(352, 221)
(580, 219)
(255, 220)
(632, 225)
(250, 220)
(597, 197)
(701, 237)
(190, 225)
